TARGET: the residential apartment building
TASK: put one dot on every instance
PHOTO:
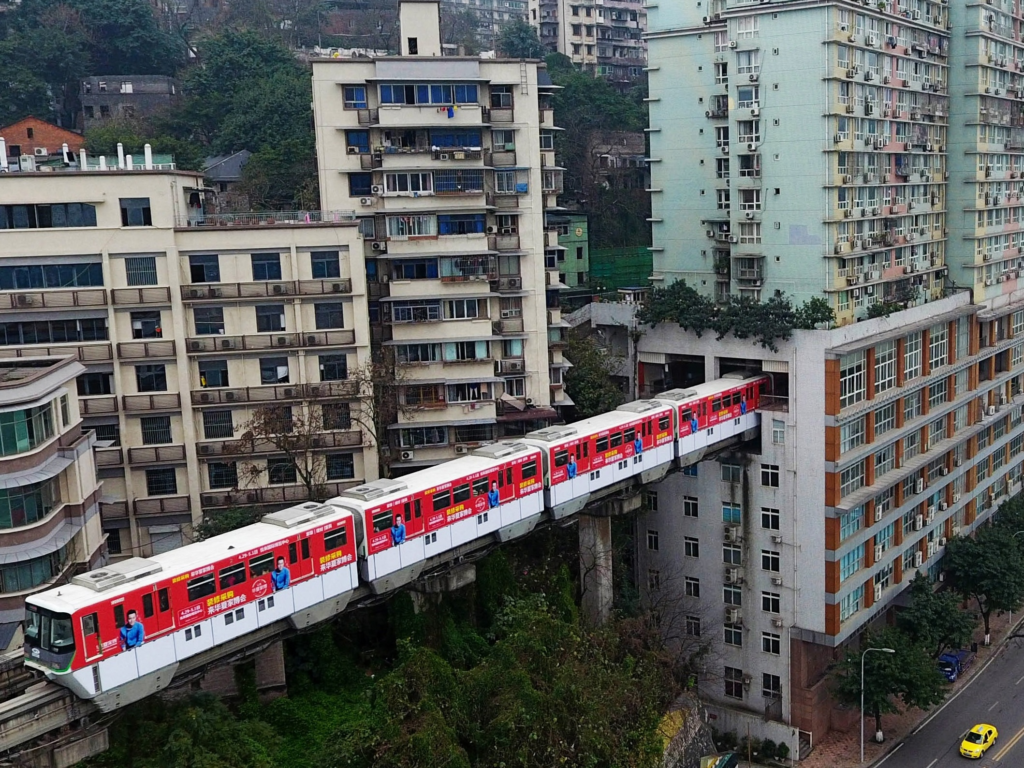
(603, 37)
(185, 323)
(491, 15)
(120, 97)
(449, 163)
(50, 500)
(743, 107)
(574, 258)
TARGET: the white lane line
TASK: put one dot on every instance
(933, 762)
(994, 705)
(896, 749)
(1018, 682)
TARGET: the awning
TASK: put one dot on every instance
(530, 414)
(47, 470)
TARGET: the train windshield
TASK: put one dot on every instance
(48, 630)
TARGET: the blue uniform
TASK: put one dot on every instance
(493, 499)
(398, 534)
(280, 579)
(571, 469)
(638, 446)
(133, 636)
(743, 406)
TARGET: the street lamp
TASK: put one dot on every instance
(866, 652)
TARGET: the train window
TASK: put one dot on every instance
(687, 414)
(601, 444)
(164, 600)
(530, 469)
(616, 440)
(561, 457)
(417, 510)
(460, 493)
(408, 511)
(293, 554)
(382, 521)
(90, 625)
(232, 575)
(200, 587)
(119, 615)
(480, 487)
(261, 564)
(663, 423)
(305, 549)
(629, 435)
(442, 500)
(586, 450)
(335, 539)
(147, 606)
(716, 404)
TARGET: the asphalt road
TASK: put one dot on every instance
(995, 696)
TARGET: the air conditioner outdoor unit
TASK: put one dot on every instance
(205, 448)
(932, 548)
(492, 230)
(753, 78)
(732, 43)
(196, 346)
(312, 340)
(204, 397)
(751, 146)
(918, 559)
(379, 245)
(956, 530)
(733, 616)
(878, 592)
(943, 506)
(776, 538)
(878, 552)
(732, 533)
(777, 623)
(229, 396)
(748, 215)
(376, 189)
(942, 541)
(733, 239)
(366, 201)
(919, 488)
(918, 522)
(732, 575)
(777, 581)
(278, 290)
(461, 449)
(226, 343)
(747, 680)
(24, 300)
(353, 150)
(755, 111)
(408, 455)
(991, 410)
(725, 149)
(878, 513)
(282, 341)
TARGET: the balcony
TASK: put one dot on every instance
(454, 154)
(113, 510)
(502, 158)
(339, 338)
(164, 505)
(368, 116)
(109, 457)
(268, 394)
(165, 401)
(499, 115)
(509, 366)
(84, 352)
(97, 406)
(134, 350)
(511, 325)
(277, 289)
(503, 242)
(264, 218)
(156, 454)
(507, 284)
(94, 297)
(135, 296)
(323, 442)
(273, 495)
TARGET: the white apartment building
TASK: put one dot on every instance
(449, 164)
(185, 323)
(602, 37)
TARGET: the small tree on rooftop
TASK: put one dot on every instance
(518, 40)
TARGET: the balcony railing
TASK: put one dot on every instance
(265, 218)
(272, 495)
(199, 344)
(322, 442)
(141, 349)
(259, 290)
(86, 352)
(509, 325)
(509, 366)
(322, 390)
(113, 510)
(130, 296)
(167, 401)
(57, 299)
(109, 457)
(503, 242)
(97, 406)
(502, 158)
(164, 505)
(156, 454)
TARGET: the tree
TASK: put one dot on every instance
(134, 135)
(907, 677)
(589, 381)
(678, 303)
(214, 524)
(935, 620)
(299, 433)
(518, 40)
(987, 568)
(813, 313)
(380, 382)
(459, 27)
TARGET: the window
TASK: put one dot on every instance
(852, 383)
(778, 432)
(938, 346)
(885, 419)
(461, 224)
(329, 315)
(691, 586)
(501, 96)
(771, 561)
(204, 269)
(423, 436)
(850, 522)
(266, 266)
(208, 320)
(461, 309)
(280, 471)
(409, 183)
(731, 514)
(418, 353)
(734, 683)
(401, 227)
(213, 373)
(222, 474)
(46, 216)
(770, 475)
(67, 275)
(155, 429)
(151, 378)
(443, 94)
(771, 643)
(732, 595)
(771, 602)
(333, 367)
(690, 471)
(851, 604)
(734, 635)
(135, 212)
(335, 539)
(690, 506)
(270, 318)
(937, 392)
(771, 686)
(693, 626)
(140, 270)
(336, 416)
(360, 184)
(354, 96)
(161, 482)
(652, 540)
(469, 392)
(340, 466)
(274, 370)
(325, 264)
(653, 579)
(200, 587)
(89, 384)
(911, 406)
(28, 504)
(851, 478)
(851, 435)
(217, 425)
(731, 473)
(912, 357)
(885, 367)
(770, 519)
(732, 554)
(851, 562)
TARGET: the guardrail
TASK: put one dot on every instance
(264, 218)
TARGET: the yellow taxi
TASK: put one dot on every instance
(978, 740)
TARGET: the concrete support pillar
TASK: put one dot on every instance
(270, 676)
(595, 535)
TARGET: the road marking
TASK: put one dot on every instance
(1010, 745)
(994, 705)
(933, 762)
(890, 754)
(1018, 682)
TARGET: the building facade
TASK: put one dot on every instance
(50, 501)
(574, 258)
(449, 163)
(120, 97)
(491, 15)
(603, 38)
(186, 323)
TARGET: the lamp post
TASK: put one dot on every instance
(866, 652)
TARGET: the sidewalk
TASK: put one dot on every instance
(839, 749)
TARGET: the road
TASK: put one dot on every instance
(995, 696)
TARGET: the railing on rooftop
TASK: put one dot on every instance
(264, 218)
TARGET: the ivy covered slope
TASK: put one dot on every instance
(741, 316)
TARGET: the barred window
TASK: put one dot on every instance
(141, 270)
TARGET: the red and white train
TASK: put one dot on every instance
(118, 634)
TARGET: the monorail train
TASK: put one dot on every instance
(119, 633)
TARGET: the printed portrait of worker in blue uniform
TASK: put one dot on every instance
(743, 406)
(638, 446)
(398, 531)
(493, 499)
(571, 467)
(133, 634)
(280, 577)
